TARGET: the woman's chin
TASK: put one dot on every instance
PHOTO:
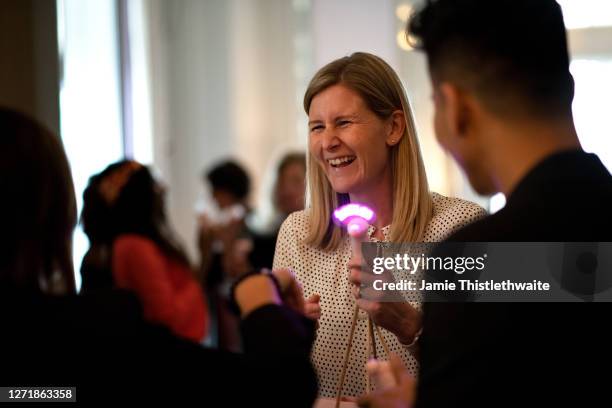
(341, 188)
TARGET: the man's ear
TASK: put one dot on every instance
(455, 108)
(397, 125)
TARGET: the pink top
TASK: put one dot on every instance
(167, 290)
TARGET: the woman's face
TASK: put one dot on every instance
(349, 141)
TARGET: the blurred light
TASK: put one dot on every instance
(586, 13)
(345, 213)
(591, 106)
(402, 41)
(498, 201)
(403, 12)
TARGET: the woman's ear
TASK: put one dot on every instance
(397, 126)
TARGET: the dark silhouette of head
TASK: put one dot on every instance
(38, 206)
(95, 214)
(126, 199)
(230, 183)
(512, 54)
(502, 88)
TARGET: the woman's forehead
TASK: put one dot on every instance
(337, 100)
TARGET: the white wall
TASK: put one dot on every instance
(341, 27)
(228, 78)
(224, 84)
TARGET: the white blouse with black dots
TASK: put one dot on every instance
(326, 273)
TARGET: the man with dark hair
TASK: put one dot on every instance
(502, 94)
(230, 183)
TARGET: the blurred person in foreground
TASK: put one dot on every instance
(100, 343)
(502, 94)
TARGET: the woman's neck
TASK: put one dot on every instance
(379, 197)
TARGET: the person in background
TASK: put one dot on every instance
(220, 229)
(144, 257)
(224, 245)
(503, 92)
(290, 186)
(100, 343)
(96, 273)
(235, 240)
(286, 197)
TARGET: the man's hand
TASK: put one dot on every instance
(401, 395)
(258, 290)
(291, 290)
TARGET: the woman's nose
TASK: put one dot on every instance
(330, 140)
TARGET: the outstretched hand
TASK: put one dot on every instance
(400, 395)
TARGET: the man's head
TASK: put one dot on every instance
(230, 183)
(499, 62)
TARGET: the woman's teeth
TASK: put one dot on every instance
(341, 161)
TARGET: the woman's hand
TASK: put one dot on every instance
(400, 318)
(312, 308)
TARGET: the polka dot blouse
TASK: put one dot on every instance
(326, 273)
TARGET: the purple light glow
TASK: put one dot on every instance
(355, 228)
(348, 211)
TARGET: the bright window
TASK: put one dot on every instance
(90, 108)
(586, 13)
(591, 106)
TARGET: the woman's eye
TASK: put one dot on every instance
(316, 128)
(343, 123)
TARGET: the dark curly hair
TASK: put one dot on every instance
(139, 208)
(231, 177)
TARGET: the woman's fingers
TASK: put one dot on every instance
(312, 308)
(355, 290)
(314, 298)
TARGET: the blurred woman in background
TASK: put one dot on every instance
(283, 197)
(130, 224)
(96, 273)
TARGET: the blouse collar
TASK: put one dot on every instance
(386, 233)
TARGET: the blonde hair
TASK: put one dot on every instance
(381, 89)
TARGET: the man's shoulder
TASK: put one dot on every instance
(489, 228)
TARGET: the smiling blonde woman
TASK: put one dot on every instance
(362, 148)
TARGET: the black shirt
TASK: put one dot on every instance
(100, 344)
(521, 354)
